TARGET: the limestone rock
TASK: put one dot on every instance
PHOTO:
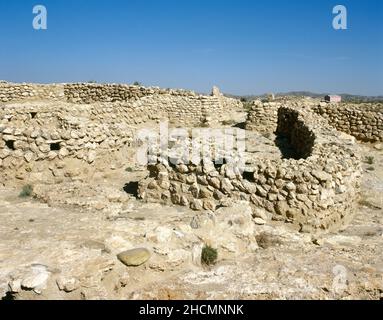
(37, 279)
(321, 175)
(134, 257)
(68, 284)
(259, 221)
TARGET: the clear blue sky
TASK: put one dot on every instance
(243, 46)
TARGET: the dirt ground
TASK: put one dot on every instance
(69, 244)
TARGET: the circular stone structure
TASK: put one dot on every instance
(312, 186)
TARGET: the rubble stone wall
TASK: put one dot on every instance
(38, 137)
(364, 121)
(181, 106)
(300, 136)
(263, 117)
(25, 91)
(313, 192)
(42, 124)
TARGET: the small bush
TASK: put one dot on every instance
(369, 160)
(370, 169)
(247, 106)
(26, 191)
(209, 255)
(136, 83)
(129, 169)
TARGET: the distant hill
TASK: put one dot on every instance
(345, 96)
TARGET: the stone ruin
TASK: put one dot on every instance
(53, 133)
(311, 190)
(49, 133)
(361, 120)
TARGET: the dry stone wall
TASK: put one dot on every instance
(24, 91)
(86, 125)
(263, 117)
(50, 133)
(39, 140)
(313, 192)
(363, 120)
(181, 106)
(90, 92)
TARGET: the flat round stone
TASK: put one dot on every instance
(134, 257)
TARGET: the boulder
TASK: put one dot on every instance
(134, 257)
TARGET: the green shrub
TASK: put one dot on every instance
(129, 169)
(247, 106)
(26, 191)
(369, 160)
(136, 83)
(209, 255)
